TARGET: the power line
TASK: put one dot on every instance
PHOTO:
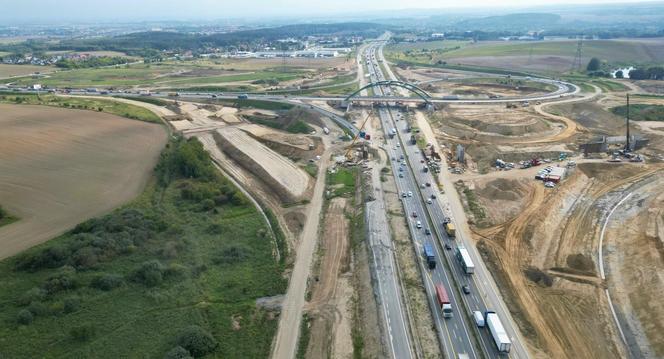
(576, 65)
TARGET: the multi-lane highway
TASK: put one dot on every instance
(389, 298)
(454, 334)
(483, 293)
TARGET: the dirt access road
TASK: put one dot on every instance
(330, 306)
(544, 260)
(60, 167)
(291, 311)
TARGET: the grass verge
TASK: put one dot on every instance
(305, 335)
(342, 182)
(641, 112)
(108, 106)
(6, 218)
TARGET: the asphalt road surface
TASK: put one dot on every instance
(483, 292)
(454, 334)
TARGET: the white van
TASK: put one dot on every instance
(479, 318)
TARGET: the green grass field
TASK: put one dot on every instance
(108, 106)
(190, 250)
(641, 112)
(342, 181)
(255, 76)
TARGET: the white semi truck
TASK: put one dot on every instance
(498, 333)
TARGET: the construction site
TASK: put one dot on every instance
(578, 259)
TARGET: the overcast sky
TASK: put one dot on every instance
(91, 10)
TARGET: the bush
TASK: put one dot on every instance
(184, 159)
(37, 309)
(150, 273)
(207, 204)
(538, 276)
(197, 341)
(232, 254)
(593, 64)
(60, 282)
(107, 282)
(51, 257)
(85, 258)
(71, 304)
(82, 333)
(24, 317)
(178, 353)
(32, 295)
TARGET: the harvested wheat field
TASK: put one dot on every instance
(60, 167)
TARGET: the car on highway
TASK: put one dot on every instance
(427, 231)
(418, 224)
(403, 194)
(428, 184)
(422, 185)
(414, 214)
(400, 175)
(447, 246)
(433, 196)
(465, 289)
(410, 194)
(398, 145)
(429, 201)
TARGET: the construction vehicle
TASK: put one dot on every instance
(361, 133)
(498, 333)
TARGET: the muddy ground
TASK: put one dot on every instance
(60, 167)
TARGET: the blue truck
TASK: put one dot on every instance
(429, 255)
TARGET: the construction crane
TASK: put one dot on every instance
(350, 148)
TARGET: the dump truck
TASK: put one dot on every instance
(450, 230)
(443, 301)
(429, 255)
(500, 337)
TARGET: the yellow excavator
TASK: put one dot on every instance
(349, 156)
